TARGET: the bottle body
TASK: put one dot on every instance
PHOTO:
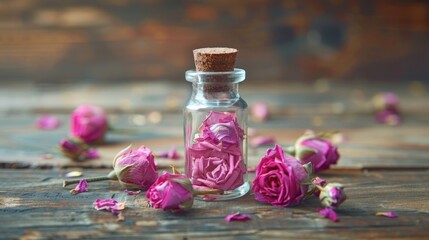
(215, 130)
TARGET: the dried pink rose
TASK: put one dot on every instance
(135, 168)
(389, 214)
(89, 123)
(237, 217)
(77, 150)
(217, 158)
(329, 213)
(110, 205)
(129, 192)
(278, 179)
(262, 141)
(310, 148)
(389, 117)
(171, 192)
(48, 122)
(260, 111)
(82, 186)
(386, 101)
(170, 154)
(332, 195)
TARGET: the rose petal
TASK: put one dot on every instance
(262, 141)
(48, 122)
(260, 111)
(329, 213)
(129, 192)
(237, 217)
(389, 214)
(170, 154)
(110, 204)
(92, 153)
(82, 186)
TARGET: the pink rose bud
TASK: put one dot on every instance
(260, 112)
(320, 152)
(135, 168)
(89, 123)
(278, 179)
(332, 195)
(386, 101)
(171, 192)
(77, 150)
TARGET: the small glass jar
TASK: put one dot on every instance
(215, 129)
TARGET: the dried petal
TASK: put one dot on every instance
(82, 186)
(389, 214)
(260, 111)
(262, 141)
(110, 204)
(48, 122)
(170, 154)
(329, 213)
(237, 217)
(129, 192)
(91, 153)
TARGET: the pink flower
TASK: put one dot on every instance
(89, 123)
(135, 168)
(260, 112)
(332, 195)
(310, 148)
(329, 213)
(110, 205)
(48, 122)
(237, 217)
(278, 179)
(386, 101)
(170, 154)
(389, 117)
(171, 192)
(82, 186)
(389, 214)
(77, 150)
(216, 155)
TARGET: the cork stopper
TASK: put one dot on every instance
(215, 59)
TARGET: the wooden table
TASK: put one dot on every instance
(383, 168)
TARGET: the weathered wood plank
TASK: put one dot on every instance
(32, 202)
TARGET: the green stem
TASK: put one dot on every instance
(110, 176)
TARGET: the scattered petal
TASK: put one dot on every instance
(48, 122)
(329, 213)
(73, 174)
(251, 169)
(170, 154)
(92, 153)
(82, 186)
(46, 156)
(262, 141)
(260, 112)
(237, 217)
(129, 192)
(389, 214)
(110, 205)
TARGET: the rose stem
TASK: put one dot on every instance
(94, 179)
(207, 191)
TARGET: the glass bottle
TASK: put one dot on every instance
(215, 129)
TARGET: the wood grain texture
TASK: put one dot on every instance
(33, 203)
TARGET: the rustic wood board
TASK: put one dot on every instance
(367, 145)
(34, 204)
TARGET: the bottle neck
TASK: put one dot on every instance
(215, 91)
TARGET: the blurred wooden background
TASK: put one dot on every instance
(68, 41)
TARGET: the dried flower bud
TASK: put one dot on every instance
(77, 150)
(135, 168)
(89, 123)
(332, 195)
(319, 151)
(171, 192)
